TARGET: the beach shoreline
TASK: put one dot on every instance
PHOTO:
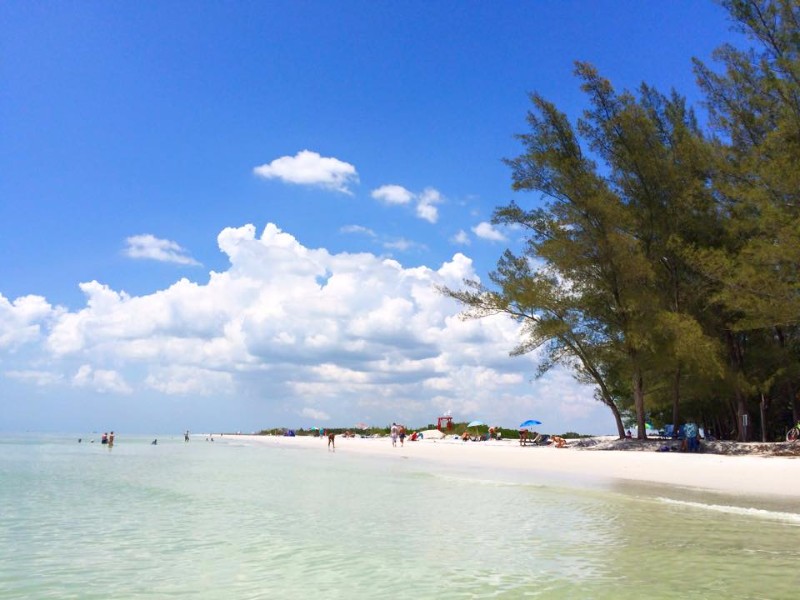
(775, 477)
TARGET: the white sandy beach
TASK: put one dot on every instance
(748, 475)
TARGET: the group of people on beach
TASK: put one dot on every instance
(397, 431)
(107, 438)
(688, 436)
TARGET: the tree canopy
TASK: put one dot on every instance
(662, 266)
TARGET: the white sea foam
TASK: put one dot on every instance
(758, 513)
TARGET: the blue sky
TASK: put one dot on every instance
(231, 215)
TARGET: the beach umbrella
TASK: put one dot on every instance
(362, 426)
(475, 424)
(529, 423)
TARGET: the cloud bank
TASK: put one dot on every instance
(307, 334)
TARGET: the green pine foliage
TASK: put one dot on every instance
(662, 260)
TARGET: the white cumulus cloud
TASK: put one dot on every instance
(100, 380)
(486, 231)
(461, 238)
(150, 247)
(23, 320)
(393, 194)
(426, 205)
(315, 414)
(426, 200)
(309, 168)
(374, 341)
(184, 380)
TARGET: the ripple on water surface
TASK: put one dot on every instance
(224, 520)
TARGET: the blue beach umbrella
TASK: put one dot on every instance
(529, 423)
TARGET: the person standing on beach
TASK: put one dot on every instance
(332, 441)
(393, 433)
(110, 439)
(401, 430)
(692, 432)
(186, 436)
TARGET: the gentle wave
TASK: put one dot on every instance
(758, 513)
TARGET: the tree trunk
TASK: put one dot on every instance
(605, 395)
(676, 396)
(617, 419)
(742, 417)
(732, 429)
(736, 352)
(638, 403)
(792, 396)
(763, 407)
(793, 402)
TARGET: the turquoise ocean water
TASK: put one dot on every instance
(232, 520)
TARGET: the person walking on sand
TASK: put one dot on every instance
(393, 433)
(332, 441)
(402, 433)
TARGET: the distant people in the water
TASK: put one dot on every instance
(110, 439)
(80, 440)
(186, 436)
(104, 439)
(154, 442)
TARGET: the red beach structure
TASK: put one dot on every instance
(445, 422)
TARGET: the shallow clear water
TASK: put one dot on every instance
(232, 520)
